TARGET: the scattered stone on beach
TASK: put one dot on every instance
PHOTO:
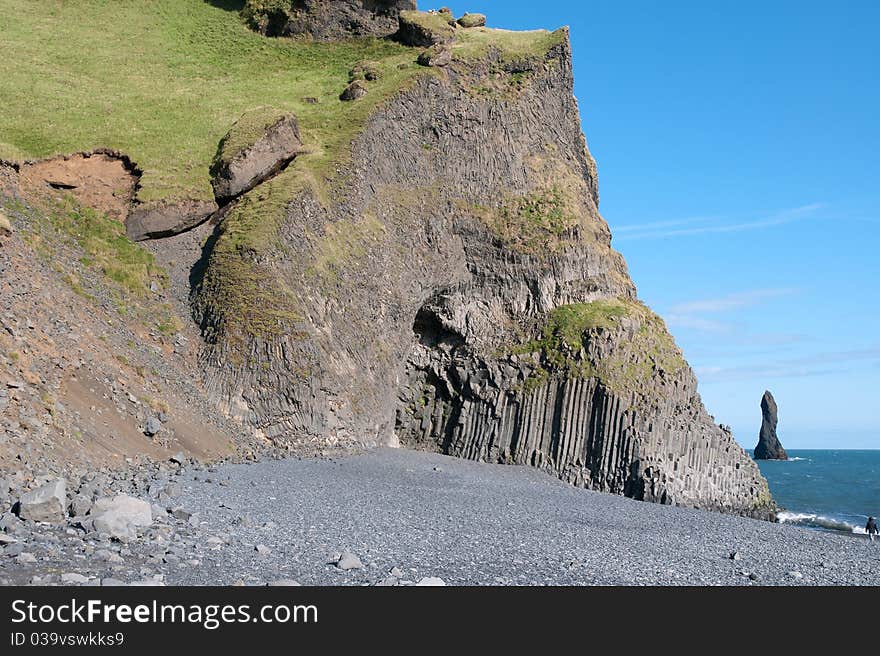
(108, 556)
(46, 503)
(121, 516)
(13, 549)
(284, 583)
(262, 550)
(74, 578)
(431, 581)
(348, 560)
(147, 583)
(80, 505)
(306, 502)
(181, 514)
(9, 523)
(152, 427)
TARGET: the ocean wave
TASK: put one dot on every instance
(818, 521)
(796, 458)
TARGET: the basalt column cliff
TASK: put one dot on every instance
(450, 285)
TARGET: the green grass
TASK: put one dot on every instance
(124, 270)
(570, 322)
(535, 223)
(565, 326)
(637, 356)
(476, 42)
(107, 249)
(164, 80)
(435, 23)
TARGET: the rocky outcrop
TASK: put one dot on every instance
(437, 56)
(459, 293)
(166, 218)
(424, 29)
(769, 447)
(259, 144)
(472, 20)
(354, 91)
(325, 20)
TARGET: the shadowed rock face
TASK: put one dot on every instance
(326, 20)
(769, 447)
(270, 150)
(429, 301)
(165, 219)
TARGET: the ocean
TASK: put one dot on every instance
(834, 490)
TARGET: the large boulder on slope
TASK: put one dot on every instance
(166, 218)
(423, 29)
(257, 146)
(46, 503)
(121, 516)
(472, 20)
(325, 20)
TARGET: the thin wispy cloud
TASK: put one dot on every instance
(728, 374)
(700, 324)
(666, 229)
(655, 225)
(817, 364)
(730, 302)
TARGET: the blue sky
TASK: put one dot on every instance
(738, 146)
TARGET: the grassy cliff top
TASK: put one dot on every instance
(164, 80)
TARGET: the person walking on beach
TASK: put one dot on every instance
(871, 528)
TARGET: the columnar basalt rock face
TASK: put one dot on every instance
(769, 447)
(458, 292)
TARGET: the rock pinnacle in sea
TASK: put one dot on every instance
(769, 447)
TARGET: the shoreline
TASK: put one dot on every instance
(411, 515)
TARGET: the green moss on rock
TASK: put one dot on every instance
(420, 28)
(343, 244)
(246, 131)
(472, 20)
(533, 223)
(365, 70)
(242, 294)
(641, 350)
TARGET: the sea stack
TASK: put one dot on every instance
(769, 447)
